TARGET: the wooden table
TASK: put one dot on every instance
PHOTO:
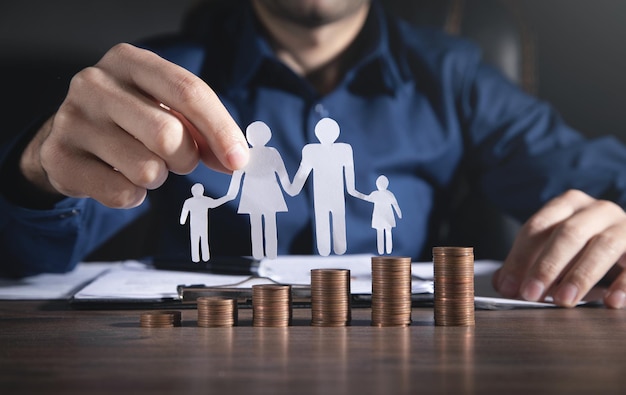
(48, 348)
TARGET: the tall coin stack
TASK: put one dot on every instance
(454, 286)
(391, 291)
(216, 312)
(330, 297)
(160, 319)
(271, 305)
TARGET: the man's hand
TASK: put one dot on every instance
(565, 249)
(125, 123)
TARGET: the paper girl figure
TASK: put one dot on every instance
(332, 165)
(261, 194)
(197, 209)
(383, 218)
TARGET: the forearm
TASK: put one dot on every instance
(37, 241)
(54, 241)
(523, 154)
(24, 182)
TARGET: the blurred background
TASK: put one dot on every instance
(579, 61)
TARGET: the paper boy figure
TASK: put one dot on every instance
(197, 209)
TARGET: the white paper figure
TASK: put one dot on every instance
(332, 164)
(261, 194)
(197, 209)
(383, 218)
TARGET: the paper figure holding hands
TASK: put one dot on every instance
(262, 198)
(332, 165)
(261, 194)
(383, 218)
(197, 209)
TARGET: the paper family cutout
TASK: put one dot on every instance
(261, 183)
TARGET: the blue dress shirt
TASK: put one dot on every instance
(416, 106)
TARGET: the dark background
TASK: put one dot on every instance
(581, 60)
(581, 56)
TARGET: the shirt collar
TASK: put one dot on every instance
(252, 50)
(377, 68)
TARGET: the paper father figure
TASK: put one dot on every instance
(332, 165)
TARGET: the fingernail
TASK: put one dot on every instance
(566, 295)
(237, 157)
(616, 299)
(508, 286)
(532, 290)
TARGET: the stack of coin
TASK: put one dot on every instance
(215, 311)
(271, 305)
(160, 319)
(454, 286)
(391, 291)
(330, 297)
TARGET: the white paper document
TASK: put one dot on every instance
(132, 280)
(51, 286)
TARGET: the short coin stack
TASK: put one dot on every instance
(330, 297)
(216, 312)
(271, 305)
(391, 291)
(160, 319)
(454, 286)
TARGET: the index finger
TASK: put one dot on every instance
(224, 144)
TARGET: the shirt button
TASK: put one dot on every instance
(72, 213)
(321, 110)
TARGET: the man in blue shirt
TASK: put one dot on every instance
(414, 105)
